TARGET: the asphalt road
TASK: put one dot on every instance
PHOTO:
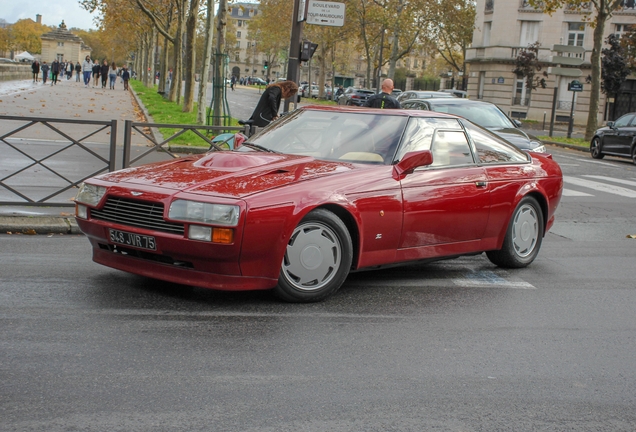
(458, 345)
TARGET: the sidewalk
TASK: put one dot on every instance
(66, 100)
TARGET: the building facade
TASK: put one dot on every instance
(504, 27)
(63, 45)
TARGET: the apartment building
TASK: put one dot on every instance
(503, 27)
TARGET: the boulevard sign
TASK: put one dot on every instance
(326, 13)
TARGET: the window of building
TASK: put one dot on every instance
(621, 29)
(238, 34)
(576, 33)
(407, 63)
(239, 23)
(60, 44)
(415, 63)
(521, 93)
(60, 57)
(249, 44)
(251, 12)
(240, 11)
(238, 44)
(529, 33)
(237, 58)
(487, 28)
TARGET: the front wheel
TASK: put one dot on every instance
(523, 237)
(634, 154)
(317, 259)
(595, 148)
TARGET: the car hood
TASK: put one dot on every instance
(230, 174)
(518, 137)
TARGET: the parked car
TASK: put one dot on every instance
(354, 96)
(418, 94)
(258, 81)
(319, 193)
(7, 60)
(396, 92)
(457, 93)
(304, 91)
(617, 138)
(484, 114)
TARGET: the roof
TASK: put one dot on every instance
(63, 35)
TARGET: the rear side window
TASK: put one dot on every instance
(491, 149)
(624, 121)
(420, 131)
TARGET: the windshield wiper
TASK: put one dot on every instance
(259, 147)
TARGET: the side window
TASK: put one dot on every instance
(623, 121)
(451, 148)
(491, 149)
(420, 131)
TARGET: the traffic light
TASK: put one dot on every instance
(307, 50)
(266, 65)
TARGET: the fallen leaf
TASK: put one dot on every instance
(632, 236)
(30, 231)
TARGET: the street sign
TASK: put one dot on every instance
(326, 13)
(302, 10)
(575, 86)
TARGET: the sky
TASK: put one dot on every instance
(52, 11)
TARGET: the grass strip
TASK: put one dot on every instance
(163, 110)
(579, 142)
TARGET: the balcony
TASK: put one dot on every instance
(627, 7)
(564, 105)
(517, 100)
(525, 6)
(583, 7)
(490, 6)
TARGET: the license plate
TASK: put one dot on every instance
(130, 239)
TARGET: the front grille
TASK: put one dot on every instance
(136, 213)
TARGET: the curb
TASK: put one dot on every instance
(38, 225)
(567, 146)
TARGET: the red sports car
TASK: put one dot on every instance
(320, 193)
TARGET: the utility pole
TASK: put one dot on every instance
(293, 65)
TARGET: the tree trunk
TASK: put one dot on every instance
(175, 85)
(164, 67)
(190, 56)
(145, 61)
(207, 53)
(218, 63)
(595, 93)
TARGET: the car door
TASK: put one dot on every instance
(618, 137)
(625, 137)
(449, 201)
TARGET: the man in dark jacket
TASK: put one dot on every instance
(55, 71)
(383, 100)
(35, 67)
(45, 72)
(266, 110)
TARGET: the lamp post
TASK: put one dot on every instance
(377, 90)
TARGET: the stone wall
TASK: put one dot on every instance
(9, 72)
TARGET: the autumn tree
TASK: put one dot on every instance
(614, 69)
(598, 12)
(450, 35)
(270, 30)
(528, 66)
(23, 35)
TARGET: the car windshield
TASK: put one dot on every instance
(485, 115)
(358, 137)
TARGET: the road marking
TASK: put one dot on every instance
(573, 193)
(611, 179)
(608, 164)
(489, 279)
(615, 190)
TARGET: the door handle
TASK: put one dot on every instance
(481, 184)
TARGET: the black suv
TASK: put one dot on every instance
(353, 96)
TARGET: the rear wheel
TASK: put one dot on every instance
(595, 148)
(523, 237)
(317, 259)
(634, 154)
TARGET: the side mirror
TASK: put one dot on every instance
(410, 161)
(517, 123)
(610, 124)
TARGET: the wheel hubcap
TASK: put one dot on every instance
(312, 257)
(525, 230)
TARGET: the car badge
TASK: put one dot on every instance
(135, 193)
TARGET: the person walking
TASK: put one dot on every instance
(96, 70)
(87, 70)
(384, 99)
(103, 73)
(266, 110)
(232, 82)
(69, 70)
(35, 67)
(55, 71)
(125, 76)
(78, 71)
(45, 72)
(112, 75)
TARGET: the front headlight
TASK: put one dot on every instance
(90, 194)
(194, 211)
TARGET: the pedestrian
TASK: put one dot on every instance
(125, 76)
(266, 110)
(78, 71)
(232, 82)
(55, 71)
(87, 70)
(383, 99)
(112, 75)
(45, 72)
(69, 70)
(103, 72)
(35, 67)
(96, 70)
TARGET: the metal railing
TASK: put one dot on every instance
(20, 148)
(130, 126)
(517, 100)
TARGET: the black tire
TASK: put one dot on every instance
(317, 260)
(634, 154)
(523, 236)
(595, 148)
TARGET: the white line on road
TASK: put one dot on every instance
(606, 163)
(611, 179)
(616, 190)
(573, 193)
